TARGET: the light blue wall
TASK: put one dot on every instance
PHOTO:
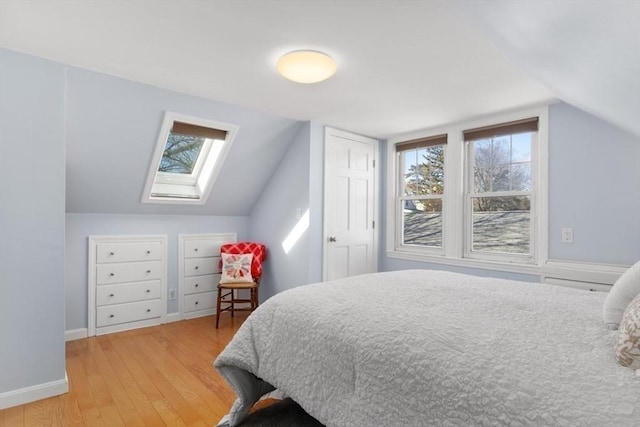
(81, 226)
(594, 187)
(32, 197)
(113, 129)
(316, 201)
(275, 215)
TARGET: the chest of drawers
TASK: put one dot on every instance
(198, 272)
(127, 282)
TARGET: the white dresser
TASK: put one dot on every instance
(198, 272)
(127, 282)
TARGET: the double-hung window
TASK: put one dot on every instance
(421, 192)
(499, 197)
(471, 194)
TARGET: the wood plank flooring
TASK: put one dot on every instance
(156, 376)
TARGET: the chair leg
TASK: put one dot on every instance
(233, 305)
(256, 299)
(218, 307)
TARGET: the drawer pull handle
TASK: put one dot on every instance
(148, 310)
(148, 290)
(111, 295)
(197, 285)
(196, 302)
(148, 252)
(148, 271)
(196, 267)
(196, 249)
(111, 274)
(112, 315)
(111, 253)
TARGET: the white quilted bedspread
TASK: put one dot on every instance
(422, 348)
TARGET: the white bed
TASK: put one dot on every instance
(422, 347)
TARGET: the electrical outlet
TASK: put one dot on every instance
(567, 235)
(172, 293)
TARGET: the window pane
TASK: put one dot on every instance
(521, 177)
(502, 164)
(424, 171)
(521, 147)
(180, 153)
(501, 224)
(422, 222)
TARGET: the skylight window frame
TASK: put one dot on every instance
(191, 188)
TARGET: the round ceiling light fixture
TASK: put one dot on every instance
(306, 66)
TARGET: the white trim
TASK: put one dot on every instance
(533, 270)
(454, 201)
(203, 181)
(32, 393)
(202, 313)
(75, 334)
(174, 317)
(376, 192)
(603, 274)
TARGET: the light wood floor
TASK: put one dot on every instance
(157, 376)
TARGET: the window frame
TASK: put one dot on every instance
(469, 194)
(400, 198)
(193, 188)
(454, 198)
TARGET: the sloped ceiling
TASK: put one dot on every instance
(402, 66)
(586, 52)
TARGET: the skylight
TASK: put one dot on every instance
(188, 157)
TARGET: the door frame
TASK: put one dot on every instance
(328, 131)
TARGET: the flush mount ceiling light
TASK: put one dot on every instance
(306, 66)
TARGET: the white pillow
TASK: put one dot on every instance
(624, 290)
(236, 268)
(628, 345)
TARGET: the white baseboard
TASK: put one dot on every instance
(33, 393)
(174, 317)
(199, 313)
(579, 274)
(75, 334)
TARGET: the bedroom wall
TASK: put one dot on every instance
(113, 128)
(32, 197)
(316, 202)
(80, 226)
(594, 187)
(276, 214)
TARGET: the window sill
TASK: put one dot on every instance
(466, 262)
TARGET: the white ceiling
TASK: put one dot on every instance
(402, 65)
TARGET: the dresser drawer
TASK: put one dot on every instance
(130, 312)
(130, 272)
(197, 284)
(202, 248)
(202, 301)
(126, 252)
(127, 292)
(201, 266)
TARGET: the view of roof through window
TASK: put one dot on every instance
(188, 157)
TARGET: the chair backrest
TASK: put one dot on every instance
(258, 250)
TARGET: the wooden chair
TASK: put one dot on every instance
(227, 292)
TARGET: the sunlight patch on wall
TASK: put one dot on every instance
(296, 232)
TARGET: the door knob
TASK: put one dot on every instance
(332, 239)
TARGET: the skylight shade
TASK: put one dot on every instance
(306, 66)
